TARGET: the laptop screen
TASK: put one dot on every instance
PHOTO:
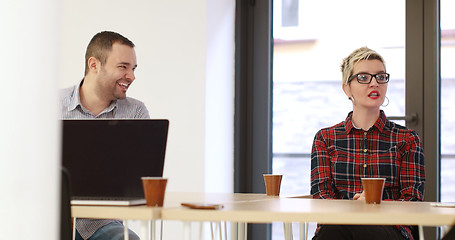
(107, 158)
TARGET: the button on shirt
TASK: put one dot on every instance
(342, 154)
(71, 108)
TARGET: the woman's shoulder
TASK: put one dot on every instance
(402, 130)
(332, 129)
(397, 127)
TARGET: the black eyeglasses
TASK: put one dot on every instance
(365, 78)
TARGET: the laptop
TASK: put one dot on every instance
(106, 158)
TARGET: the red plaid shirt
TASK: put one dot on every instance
(343, 154)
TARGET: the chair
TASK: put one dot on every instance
(65, 207)
(450, 235)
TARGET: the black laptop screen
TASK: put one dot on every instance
(107, 158)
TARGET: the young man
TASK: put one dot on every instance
(110, 61)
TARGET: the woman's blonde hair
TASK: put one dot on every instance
(356, 56)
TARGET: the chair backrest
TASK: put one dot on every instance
(450, 235)
(65, 210)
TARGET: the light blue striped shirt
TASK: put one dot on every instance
(71, 108)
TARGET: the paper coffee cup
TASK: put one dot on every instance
(272, 184)
(154, 190)
(374, 188)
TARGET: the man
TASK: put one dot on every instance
(110, 61)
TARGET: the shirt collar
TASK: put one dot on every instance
(76, 100)
(379, 124)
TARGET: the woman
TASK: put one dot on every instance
(366, 144)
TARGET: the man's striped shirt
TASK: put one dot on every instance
(71, 108)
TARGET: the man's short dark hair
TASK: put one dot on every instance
(101, 45)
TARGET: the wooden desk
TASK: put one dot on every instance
(258, 208)
(302, 210)
(321, 211)
(171, 201)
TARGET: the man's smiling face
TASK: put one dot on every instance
(117, 74)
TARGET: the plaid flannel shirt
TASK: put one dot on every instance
(342, 154)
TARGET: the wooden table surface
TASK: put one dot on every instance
(171, 200)
(258, 208)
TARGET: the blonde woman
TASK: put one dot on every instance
(366, 144)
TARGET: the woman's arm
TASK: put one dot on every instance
(321, 181)
(412, 170)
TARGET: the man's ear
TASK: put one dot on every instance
(94, 64)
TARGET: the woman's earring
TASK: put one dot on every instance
(387, 102)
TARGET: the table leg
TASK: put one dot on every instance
(161, 229)
(145, 229)
(245, 225)
(234, 231)
(221, 234)
(287, 227)
(307, 228)
(212, 233)
(225, 231)
(187, 230)
(421, 236)
(74, 228)
(126, 235)
(242, 231)
(152, 227)
(201, 230)
(303, 231)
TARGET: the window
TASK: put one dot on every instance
(307, 93)
(447, 101)
(322, 35)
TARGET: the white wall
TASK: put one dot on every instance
(185, 73)
(29, 130)
(185, 53)
(219, 96)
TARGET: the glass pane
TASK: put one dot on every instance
(447, 100)
(307, 93)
